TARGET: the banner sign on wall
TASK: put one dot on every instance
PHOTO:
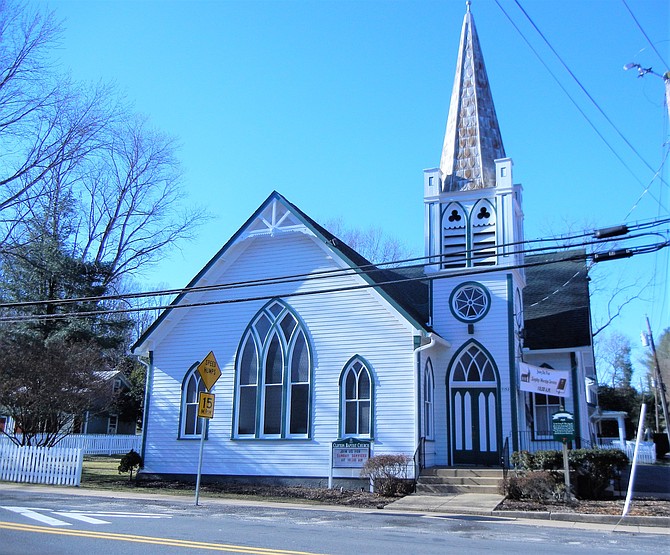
(544, 380)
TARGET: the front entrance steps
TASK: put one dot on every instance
(450, 481)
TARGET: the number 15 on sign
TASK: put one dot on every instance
(206, 405)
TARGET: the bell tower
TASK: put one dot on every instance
(473, 212)
(473, 241)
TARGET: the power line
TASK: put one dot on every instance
(583, 88)
(430, 277)
(645, 35)
(370, 268)
(576, 105)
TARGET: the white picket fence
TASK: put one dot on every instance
(101, 444)
(96, 444)
(41, 465)
(646, 453)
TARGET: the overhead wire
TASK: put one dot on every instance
(274, 281)
(653, 46)
(405, 264)
(576, 105)
(583, 88)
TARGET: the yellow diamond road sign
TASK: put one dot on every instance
(209, 371)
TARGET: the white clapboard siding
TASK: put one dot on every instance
(41, 465)
(339, 326)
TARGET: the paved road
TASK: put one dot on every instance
(49, 522)
(650, 478)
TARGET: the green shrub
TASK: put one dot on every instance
(388, 474)
(538, 485)
(131, 461)
(593, 468)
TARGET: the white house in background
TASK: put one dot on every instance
(316, 345)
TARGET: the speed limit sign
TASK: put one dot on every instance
(206, 405)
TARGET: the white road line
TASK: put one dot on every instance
(31, 513)
(81, 517)
(114, 514)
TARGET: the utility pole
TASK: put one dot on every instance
(642, 71)
(660, 387)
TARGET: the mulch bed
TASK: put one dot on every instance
(637, 507)
(364, 499)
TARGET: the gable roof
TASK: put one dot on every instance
(403, 288)
(556, 301)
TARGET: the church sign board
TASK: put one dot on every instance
(350, 453)
(536, 379)
(563, 426)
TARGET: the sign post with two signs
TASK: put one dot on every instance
(209, 374)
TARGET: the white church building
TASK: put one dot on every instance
(316, 346)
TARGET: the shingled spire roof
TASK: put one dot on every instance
(472, 141)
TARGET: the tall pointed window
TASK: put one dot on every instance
(454, 246)
(273, 376)
(356, 394)
(483, 223)
(190, 425)
(428, 406)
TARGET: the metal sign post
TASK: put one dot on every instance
(563, 427)
(209, 373)
(205, 425)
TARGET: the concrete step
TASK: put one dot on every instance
(462, 480)
(450, 489)
(449, 481)
(468, 472)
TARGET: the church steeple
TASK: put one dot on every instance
(472, 140)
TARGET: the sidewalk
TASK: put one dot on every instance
(463, 506)
(484, 505)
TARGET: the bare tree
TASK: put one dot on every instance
(132, 200)
(615, 367)
(371, 243)
(90, 195)
(43, 123)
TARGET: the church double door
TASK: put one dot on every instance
(473, 409)
(474, 428)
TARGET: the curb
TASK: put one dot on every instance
(613, 520)
(628, 520)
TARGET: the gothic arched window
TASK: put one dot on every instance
(483, 222)
(454, 236)
(428, 404)
(273, 381)
(190, 425)
(356, 395)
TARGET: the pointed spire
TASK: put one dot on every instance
(472, 141)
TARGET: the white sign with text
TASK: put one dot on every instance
(544, 380)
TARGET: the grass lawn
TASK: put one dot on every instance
(102, 472)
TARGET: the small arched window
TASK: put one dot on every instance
(190, 425)
(356, 395)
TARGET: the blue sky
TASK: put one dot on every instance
(340, 105)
